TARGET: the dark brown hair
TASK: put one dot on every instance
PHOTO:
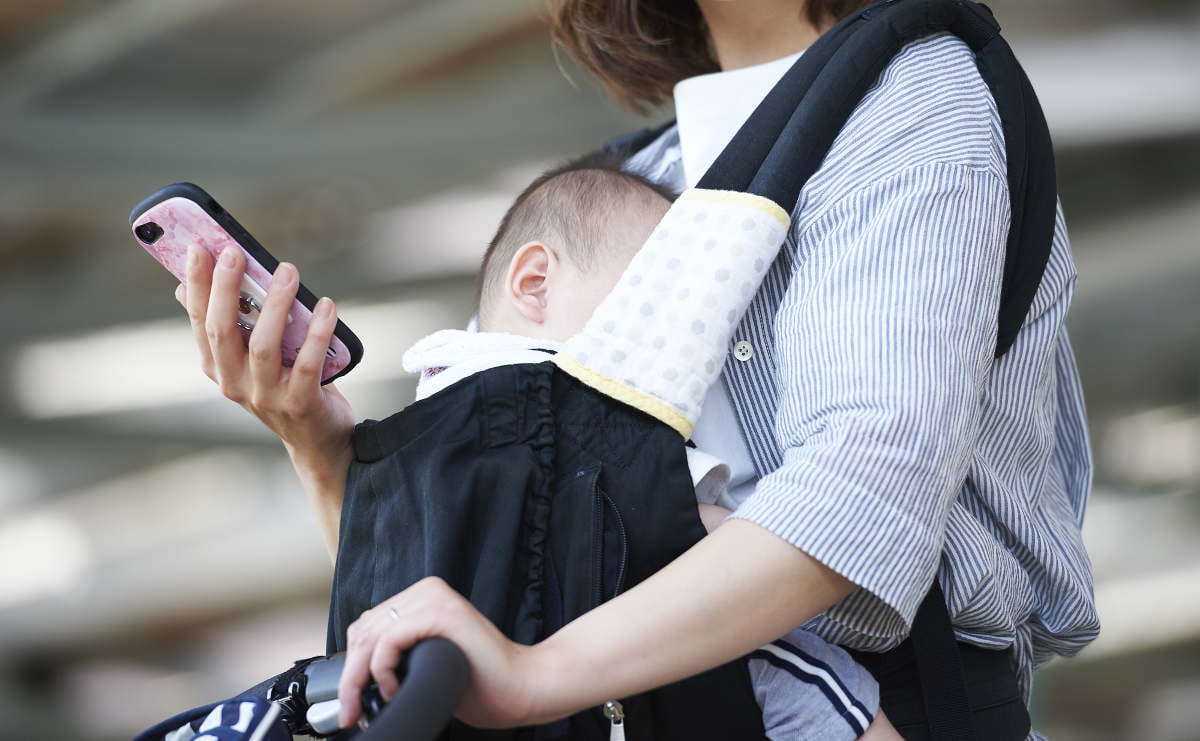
(576, 207)
(639, 49)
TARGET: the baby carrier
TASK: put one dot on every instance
(539, 491)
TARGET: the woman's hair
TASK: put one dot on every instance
(639, 49)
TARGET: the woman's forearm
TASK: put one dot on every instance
(735, 590)
(739, 588)
(323, 476)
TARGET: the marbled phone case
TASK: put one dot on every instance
(189, 216)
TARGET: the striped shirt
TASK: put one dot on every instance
(889, 443)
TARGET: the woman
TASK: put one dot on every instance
(876, 442)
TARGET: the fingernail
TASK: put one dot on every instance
(284, 274)
(193, 256)
(324, 308)
(179, 293)
(227, 258)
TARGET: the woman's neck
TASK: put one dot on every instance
(749, 32)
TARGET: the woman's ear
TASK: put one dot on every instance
(528, 285)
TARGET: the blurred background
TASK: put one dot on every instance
(155, 549)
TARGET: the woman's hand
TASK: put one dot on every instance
(499, 689)
(314, 422)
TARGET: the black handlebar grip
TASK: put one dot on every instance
(433, 684)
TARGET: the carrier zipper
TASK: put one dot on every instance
(616, 718)
(624, 545)
(597, 546)
(603, 502)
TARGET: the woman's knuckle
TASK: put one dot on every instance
(258, 401)
(433, 582)
(231, 390)
(306, 366)
(215, 333)
(260, 352)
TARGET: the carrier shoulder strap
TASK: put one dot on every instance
(630, 144)
(788, 136)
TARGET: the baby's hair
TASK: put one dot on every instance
(573, 207)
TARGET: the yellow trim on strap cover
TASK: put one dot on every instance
(766, 205)
(614, 389)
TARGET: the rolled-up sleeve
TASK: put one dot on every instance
(884, 342)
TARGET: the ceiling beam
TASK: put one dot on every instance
(91, 41)
(1099, 90)
(415, 39)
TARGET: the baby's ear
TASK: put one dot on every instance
(529, 274)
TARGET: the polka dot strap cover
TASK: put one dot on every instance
(659, 339)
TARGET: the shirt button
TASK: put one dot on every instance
(743, 350)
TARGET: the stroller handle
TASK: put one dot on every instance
(433, 683)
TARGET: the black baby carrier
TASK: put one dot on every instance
(538, 498)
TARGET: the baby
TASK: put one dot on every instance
(559, 251)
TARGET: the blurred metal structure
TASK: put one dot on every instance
(154, 543)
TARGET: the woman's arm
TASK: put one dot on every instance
(883, 360)
(712, 516)
(640, 640)
(885, 337)
(314, 422)
(736, 604)
(322, 474)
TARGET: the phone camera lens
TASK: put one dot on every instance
(148, 232)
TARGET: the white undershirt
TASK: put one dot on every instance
(709, 110)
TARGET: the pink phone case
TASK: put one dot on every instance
(184, 222)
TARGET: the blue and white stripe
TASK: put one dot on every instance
(810, 670)
(889, 443)
(245, 718)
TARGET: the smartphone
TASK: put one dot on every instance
(170, 220)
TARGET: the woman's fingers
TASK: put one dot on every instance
(384, 660)
(376, 641)
(306, 371)
(264, 348)
(374, 644)
(355, 671)
(224, 335)
(195, 300)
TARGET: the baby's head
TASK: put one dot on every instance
(563, 245)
